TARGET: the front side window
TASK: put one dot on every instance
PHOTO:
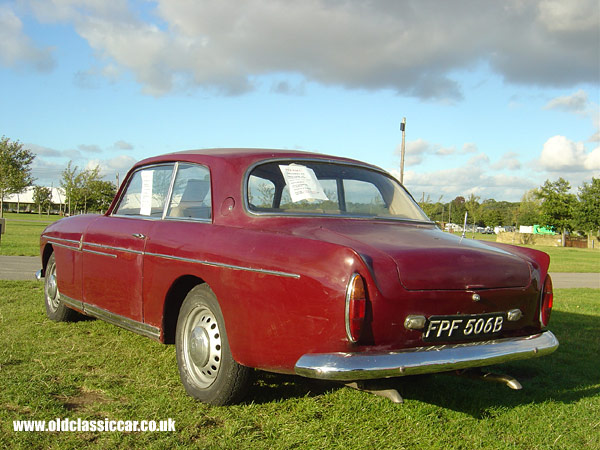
(326, 188)
(147, 192)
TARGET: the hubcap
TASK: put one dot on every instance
(202, 346)
(199, 347)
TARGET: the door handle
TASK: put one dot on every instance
(139, 235)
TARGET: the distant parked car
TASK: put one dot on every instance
(296, 263)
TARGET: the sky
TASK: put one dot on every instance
(498, 96)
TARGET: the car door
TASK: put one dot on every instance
(113, 246)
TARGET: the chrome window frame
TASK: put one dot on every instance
(164, 216)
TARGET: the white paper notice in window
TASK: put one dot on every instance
(302, 183)
(146, 196)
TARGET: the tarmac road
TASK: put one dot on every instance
(25, 267)
(19, 267)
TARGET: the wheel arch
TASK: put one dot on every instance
(46, 253)
(173, 301)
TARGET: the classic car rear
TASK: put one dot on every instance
(293, 262)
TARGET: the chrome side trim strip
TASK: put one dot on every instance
(85, 250)
(124, 322)
(65, 246)
(71, 302)
(160, 255)
(227, 266)
(110, 247)
(71, 241)
(420, 360)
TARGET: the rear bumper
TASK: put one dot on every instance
(415, 361)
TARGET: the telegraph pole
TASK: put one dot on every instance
(402, 128)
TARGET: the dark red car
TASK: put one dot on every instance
(293, 262)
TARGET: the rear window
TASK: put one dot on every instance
(324, 188)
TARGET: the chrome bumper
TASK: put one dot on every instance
(39, 275)
(420, 360)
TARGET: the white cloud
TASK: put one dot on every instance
(563, 155)
(469, 147)
(417, 150)
(120, 163)
(509, 161)
(592, 160)
(48, 171)
(123, 145)
(89, 148)
(16, 48)
(412, 48)
(445, 151)
(568, 17)
(470, 178)
(576, 103)
(43, 151)
(112, 169)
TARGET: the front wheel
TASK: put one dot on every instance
(55, 309)
(206, 367)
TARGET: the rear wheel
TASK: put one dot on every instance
(206, 367)
(55, 309)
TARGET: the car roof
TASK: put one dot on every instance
(243, 156)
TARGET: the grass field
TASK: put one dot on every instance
(22, 234)
(93, 370)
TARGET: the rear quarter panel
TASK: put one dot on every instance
(271, 319)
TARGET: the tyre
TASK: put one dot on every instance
(55, 309)
(207, 369)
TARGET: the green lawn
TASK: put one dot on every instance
(22, 234)
(562, 259)
(93, 370)
(572, 259)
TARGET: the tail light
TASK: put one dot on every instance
(546, 302)
(356, 307)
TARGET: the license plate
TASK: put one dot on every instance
(463, 327)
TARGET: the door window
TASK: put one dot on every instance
(147, 192)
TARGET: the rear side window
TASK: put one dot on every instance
(147, 192)
(191, 197)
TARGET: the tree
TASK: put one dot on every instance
(15, 169)
(101, 195)
(474, 208)
(42, 198)
(456, 210)
(85, 191)
(491, 212)
(435, 211)
(587, 211)
(558, 205)
(529, 209)
(69, 183)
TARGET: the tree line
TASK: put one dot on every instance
(551, 205)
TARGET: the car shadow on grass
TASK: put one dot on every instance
(566, 376)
